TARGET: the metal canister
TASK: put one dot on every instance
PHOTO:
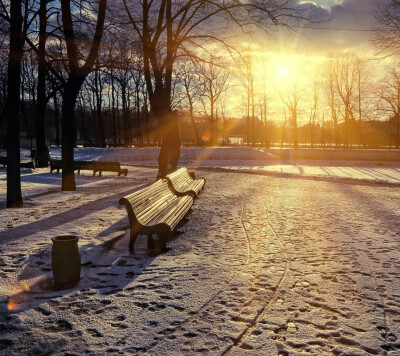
(65, 260)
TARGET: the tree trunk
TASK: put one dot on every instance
(14, 194)
(42, 150)
(118, 122)
(212, 122)
(170, 144)
(196, 131)
(56, 119)
(253, 121)
(114, 120)
(70, 95)
(99, 113)
(125, 115)
(295, 134)
(138, 126)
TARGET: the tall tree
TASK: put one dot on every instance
(314, 112)
(387, 31)
(42, 150)
(12, 110)
(246, 77)
(291, 100)
(331, 97)
(169, 29)
(388, 93)
(345, 83)
(76, 77)
(213, 79)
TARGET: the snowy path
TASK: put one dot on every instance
(263, 266)
(361, 165)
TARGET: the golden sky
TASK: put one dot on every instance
(298, 56)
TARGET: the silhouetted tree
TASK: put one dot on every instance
(291, 99)
(388, 92)
(18, 26)
(387, 30)
(76, 76)
(169, 29)
(213, 79)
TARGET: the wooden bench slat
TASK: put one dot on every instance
(155, 210)
(182, 183)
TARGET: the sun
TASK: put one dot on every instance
(283, 71)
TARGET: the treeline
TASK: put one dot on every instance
(345, 104)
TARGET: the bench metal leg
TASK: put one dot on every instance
(150, 242)
(160, 244)
(132, 241)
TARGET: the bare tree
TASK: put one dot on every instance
(246, 77)
(346, 86)
(19, 25)
(331, 97)
(386, 36)
(76, 77)
(168, 30)
(314, 112)
(388, 93)
(42, 150)
(291, 100)
(213, 80)
(264, 102)
(192, 90)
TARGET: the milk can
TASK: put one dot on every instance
(65, 260)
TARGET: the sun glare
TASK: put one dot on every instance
(283, 71)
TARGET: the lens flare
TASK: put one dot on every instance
(17, 301)
(206, 136)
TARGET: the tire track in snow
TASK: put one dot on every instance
(273, 298)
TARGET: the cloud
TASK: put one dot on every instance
(343, 32)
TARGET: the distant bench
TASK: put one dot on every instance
(155, 210)
(109, 167)
(56, 164)
(23, 164)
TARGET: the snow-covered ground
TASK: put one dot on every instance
(265, 265)
(373, 165)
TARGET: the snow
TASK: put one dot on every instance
(296, 257)
(363, 165)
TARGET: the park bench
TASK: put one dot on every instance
(84, 166)
(23, 163)
(155, 210)
(109, 167)
(181, 182)
(56, 164)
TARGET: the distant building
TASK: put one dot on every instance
(235, 139)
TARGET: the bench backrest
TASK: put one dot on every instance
(83, 165)
(182, 182)
(179, 177)
(146, 201)
(109, 165)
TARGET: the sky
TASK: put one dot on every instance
(356, 15)
(347, 31)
